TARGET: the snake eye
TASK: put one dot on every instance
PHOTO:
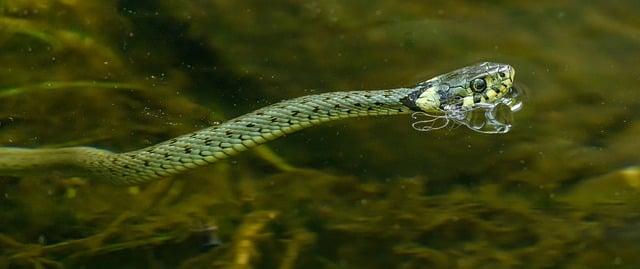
(478, 85)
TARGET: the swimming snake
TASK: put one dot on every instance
(452, 96)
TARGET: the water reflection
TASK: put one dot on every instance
(488, 118)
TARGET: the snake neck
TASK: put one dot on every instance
(239, 134)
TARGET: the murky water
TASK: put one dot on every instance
(560, 190)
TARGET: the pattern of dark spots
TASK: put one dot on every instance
(208, 141)
(357, 104)
(400, 110)
(126, 166)
(378, 104)
(294, 113)
(367, 96)
(274, 119)
(173, 141)
(336, 106)
(327, 98)
(369, 108)
(193, 135)
(348, 111)
(316, 109)
(289, 122)
(309, 117)
(187, 150)
(201, 153)
(347, 97)
(146, 163)
(387, 95)
(259, 113)
(166, 155)
(228, 132)
(260, 130)
(250, 125)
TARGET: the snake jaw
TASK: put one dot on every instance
(474, 96)
(455, 89)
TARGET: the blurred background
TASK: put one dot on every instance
(561, 190)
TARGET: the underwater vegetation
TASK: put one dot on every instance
(558, 191)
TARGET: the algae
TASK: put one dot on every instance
(559, 191)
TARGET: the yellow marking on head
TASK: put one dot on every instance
(467, 101)
(428, 100)
(491, 94)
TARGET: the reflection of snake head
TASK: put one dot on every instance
(484, 83)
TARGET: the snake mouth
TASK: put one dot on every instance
(514, 98)
(493, 117)
(488, 118)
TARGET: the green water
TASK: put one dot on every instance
(561, 190)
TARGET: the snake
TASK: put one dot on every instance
(479, 85)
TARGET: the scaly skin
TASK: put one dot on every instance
(211, 144)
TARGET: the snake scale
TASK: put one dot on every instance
(484, 83)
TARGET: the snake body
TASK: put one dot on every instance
(459, 88)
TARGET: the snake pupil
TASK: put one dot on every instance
(478, 85)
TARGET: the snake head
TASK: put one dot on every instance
(483, 83)
(481, 97)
